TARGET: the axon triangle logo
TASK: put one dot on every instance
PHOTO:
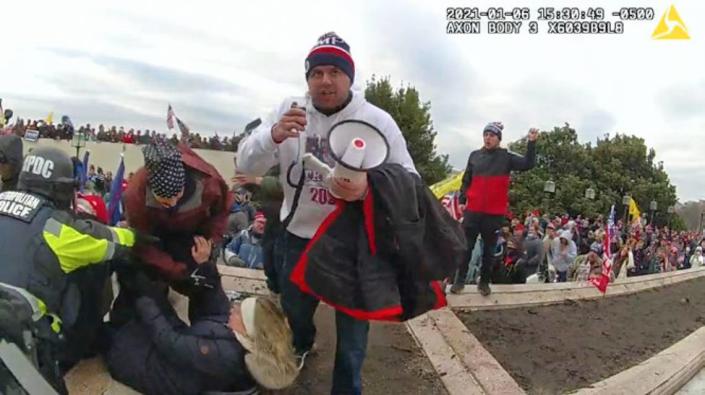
(671, 26)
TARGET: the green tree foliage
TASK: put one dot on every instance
(613, 167)
(414, 120)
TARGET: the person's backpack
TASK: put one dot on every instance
(26, 362)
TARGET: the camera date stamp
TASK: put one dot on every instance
(544, 20)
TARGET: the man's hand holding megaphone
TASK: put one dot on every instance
(357, 147)
(347, 189)
(290, 124)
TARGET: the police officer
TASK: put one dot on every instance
(44, 248)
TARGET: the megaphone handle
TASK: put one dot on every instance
(296, 105)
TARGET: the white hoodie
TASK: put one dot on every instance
(258, 153)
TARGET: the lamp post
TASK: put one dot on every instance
(670, 210)
(78, 141)
(549, 187)
(625, 202)
(653, 206)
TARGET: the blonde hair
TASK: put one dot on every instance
(273, 336)
(272, 363)
(599, 235)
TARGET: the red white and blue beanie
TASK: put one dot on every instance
(494, 128)
(331, 50)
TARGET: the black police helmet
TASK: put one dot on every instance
(48, 171)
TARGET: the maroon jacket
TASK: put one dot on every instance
(204, 212)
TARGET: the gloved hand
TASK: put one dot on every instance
(198, 278)
(138, 284)
(142, 238)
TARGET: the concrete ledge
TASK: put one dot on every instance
(462, 363)
(243, 280)
(521, 295)
(664, 373)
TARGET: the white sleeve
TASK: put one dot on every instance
(257, 152)
(398, 152)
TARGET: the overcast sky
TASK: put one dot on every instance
(222, 64)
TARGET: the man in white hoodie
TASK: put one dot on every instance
(301, 125)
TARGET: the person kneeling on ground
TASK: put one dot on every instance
(222, 350)
(245, 250)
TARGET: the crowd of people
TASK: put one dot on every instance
(544, 249)
(65, 130)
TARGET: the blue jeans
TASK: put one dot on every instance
(487, 227)
(299, 307)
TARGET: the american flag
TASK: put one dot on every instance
(451, 203)
(170, 118)
(604, 279)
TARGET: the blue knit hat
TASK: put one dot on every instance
(495, 128)
(331, 50)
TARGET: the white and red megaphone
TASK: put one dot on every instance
(356, 146)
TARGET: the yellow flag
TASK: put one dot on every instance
(50, 118)
(450, 184)
(634, 209)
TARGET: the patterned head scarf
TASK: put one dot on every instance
(165, 170)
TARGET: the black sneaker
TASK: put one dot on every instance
(457, 288)
(484, 288)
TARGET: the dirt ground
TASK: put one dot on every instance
(563, 347)
(394, 364)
